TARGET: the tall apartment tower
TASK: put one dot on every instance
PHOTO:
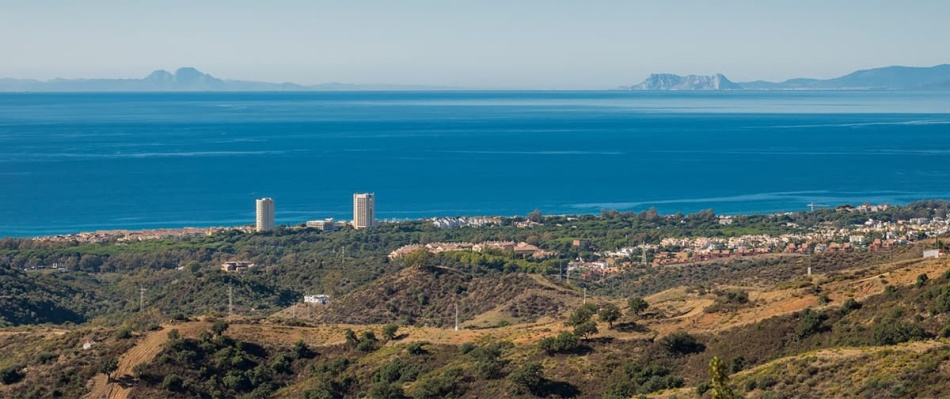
(265, 214)
(364, 210)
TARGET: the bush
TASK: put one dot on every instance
(922, 280)
(750, 385)
(124, 333)
(892, 332)
(681, 343)
(809, 322)
(850, 305)
(46, 357)
(766, 382)
(467, 347)
(302, 351)
(890, 291)
(12, 374)
(438, 386)
(527, 378)
(173, 383)
(416, 349)
(389, 331)
(219, 327)
(386, 391)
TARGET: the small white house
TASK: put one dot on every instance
(317, 299)
(932, 253)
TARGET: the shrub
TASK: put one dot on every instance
(527, 378)
(891, 332)
(890, 291)
(766, 382)
(750, 385)
(466, 348)
(850, 305)
(12, 374)
(173, 383)
(702, 388)
(809, 322)
(438, 386)
(922, 280)
(416, 349)
(219, 327)
(351, 339)
(302, 351)
(46, 357)
(124, 333)
(386, 391)
(681, 343)
(389, 331)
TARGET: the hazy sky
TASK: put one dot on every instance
(479, 44)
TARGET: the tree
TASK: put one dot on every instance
(389, 331)
(420, 258)
(719, 380)
(218, 327)
(107, 366)
(681, 343)
(637, 305)
(609, 313)
(535, 216)
(582, 314)
(528, 378)
(585, 330)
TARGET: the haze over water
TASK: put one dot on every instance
(82, 162)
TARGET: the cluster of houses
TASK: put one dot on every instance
(521, 248)
(465, 221)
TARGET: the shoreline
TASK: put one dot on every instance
(129, 234)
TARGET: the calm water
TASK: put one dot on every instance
(79, 162)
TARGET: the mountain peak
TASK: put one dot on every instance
(667, 81)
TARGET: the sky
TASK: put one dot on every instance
(488, 44)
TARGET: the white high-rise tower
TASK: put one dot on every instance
(265, 214)
(364, 210)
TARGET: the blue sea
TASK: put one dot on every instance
(83, 162)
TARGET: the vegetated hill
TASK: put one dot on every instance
(52, 363)
(428, 297)
(35, 298)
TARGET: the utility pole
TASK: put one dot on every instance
(294, 311)
(456, 316)
(585, 295)
(141, 299)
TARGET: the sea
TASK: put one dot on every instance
(73, 162)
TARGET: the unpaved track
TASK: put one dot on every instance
(143, 352)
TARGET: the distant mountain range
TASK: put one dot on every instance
(887, 78)
(184, 79)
